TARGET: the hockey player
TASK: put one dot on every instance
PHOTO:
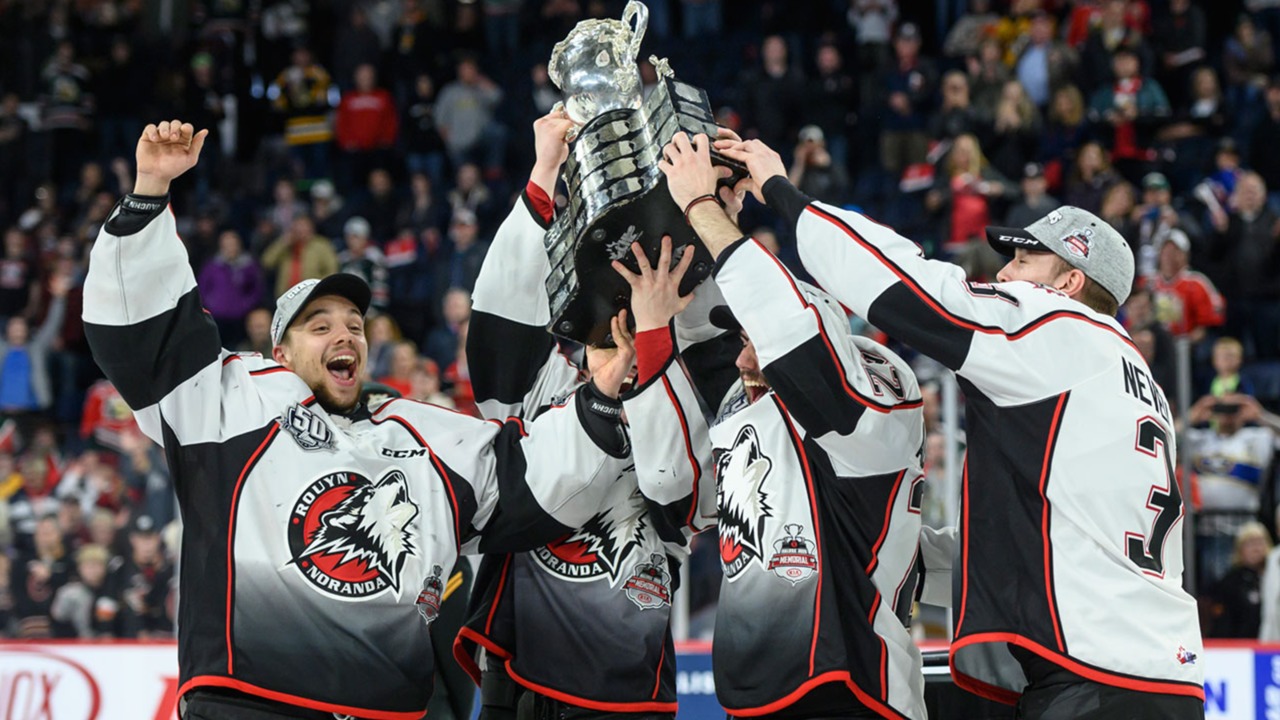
(1069, 492)
(579, 627)
(319, 533)
(815, 466)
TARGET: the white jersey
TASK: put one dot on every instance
(1229, 468)
(1069, 492)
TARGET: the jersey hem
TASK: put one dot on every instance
(244, 687)
(791, 698)
(1088, 672)
(642, 706)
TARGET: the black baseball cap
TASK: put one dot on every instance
(143, 525)
(722, 317)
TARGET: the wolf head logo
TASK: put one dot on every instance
(601, 546)
(740, 474)
(368, 528)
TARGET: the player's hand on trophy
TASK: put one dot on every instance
(550, 147)
(655, 292)
(761, 161)
(165, 151)
(687, 165)
(610, 367)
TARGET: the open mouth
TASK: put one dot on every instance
(755, 388)
(342, 368)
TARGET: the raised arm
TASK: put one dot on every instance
(142, 313)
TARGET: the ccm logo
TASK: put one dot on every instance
(1017, 240)
(402, 454)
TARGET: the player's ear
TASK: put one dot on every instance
(1072, 282)
(280, 353)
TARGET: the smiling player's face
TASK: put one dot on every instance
(326, 347)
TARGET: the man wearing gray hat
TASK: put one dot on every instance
(320, 534)
(1069, 494)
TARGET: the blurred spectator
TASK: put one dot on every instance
(1228, 356)
(987, 77)
(414, 45)
(1186, 301)
(1011, 136)
(962, 199)
(909, 83)
(955, 115)
(772, 94)
(404, 360)
(14, 138)
(67, 112)
(1269, 630)
(1118, 204)
(413, 260)
(1265, 138)
(380, 206)
(257, 332)
(285, 206)
(502, 27)
(830, 101)
(25, 387)
(120, 94)
(1112, 34)
(18, 287)
(230, 286)
(1035, 202)
(442, 343)
(366, 128)
(107, 417)
(204, 106)
(425, 385)
(1246, 255)
(968, 32)
(359, 45)
(299, 255)
(303, 95)
(421, 212)
(815, 171)
(1128, 106)
(1044, 63)
(1065, 130)
(89, 606)
(1156, 216)
(458, 377)
(37, 572)
(146, 477)
(1180, 40)
(1235, 601)
(32, 500)
(1090, 179)
(361, 257)
(1247, 61)
(1197, 125)
(424, 148)
(145, 582)
(470, 193)
(465, 117)
(383, 334)
(327, 209)
(1230, 460)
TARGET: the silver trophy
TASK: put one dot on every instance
(617, 195)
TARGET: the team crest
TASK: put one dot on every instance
(601, 547)
(743, 505)
(649, 586)
(793, 559)
(307, 428)
(1185, 656)
(1078, 242)
(350, 537)
(432, 595)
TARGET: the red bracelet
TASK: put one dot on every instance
(695, 201)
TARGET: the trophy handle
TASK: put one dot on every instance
(640, 13)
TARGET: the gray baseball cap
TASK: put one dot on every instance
(347, 285)
(1081, 238)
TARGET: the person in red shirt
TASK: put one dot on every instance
(366, 127)
(1186, 301)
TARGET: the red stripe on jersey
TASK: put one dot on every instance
(835, 359)
(1050, 598)
(497, 596)
(464, 658)
(657, 677)
(884, 530)
(637, 707)
(231, 534)
(688, 449)
(1088, 672)
(294, 700)
(444, 475)
(807, 686)
(964, 543)
(817, 534)
(947, 315)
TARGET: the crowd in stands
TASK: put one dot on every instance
(389, 138)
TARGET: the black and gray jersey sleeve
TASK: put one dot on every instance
(1005, 338)
(516, 366)
(149, 333)
(856, 398)
(938, 552)
(672, 450)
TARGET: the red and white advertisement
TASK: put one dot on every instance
(88, 681)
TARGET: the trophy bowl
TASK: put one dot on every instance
(595, 65)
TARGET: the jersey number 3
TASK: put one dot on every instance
(1147, 551)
